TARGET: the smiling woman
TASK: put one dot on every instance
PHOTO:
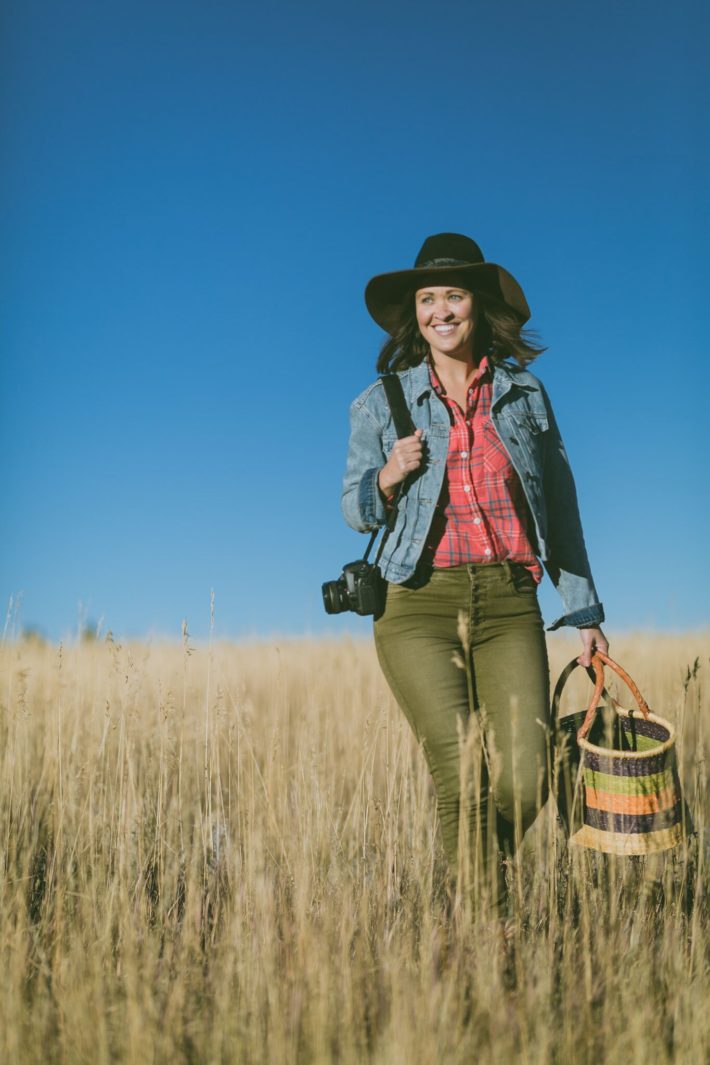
(476, 499)
(446, 318)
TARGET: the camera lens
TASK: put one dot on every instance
(335, 597)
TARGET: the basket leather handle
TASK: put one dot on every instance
(562, 680)
(599, 659)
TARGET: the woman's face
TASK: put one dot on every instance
(446, 317)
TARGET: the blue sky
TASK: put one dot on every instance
(193, 198)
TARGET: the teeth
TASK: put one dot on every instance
(444, 328)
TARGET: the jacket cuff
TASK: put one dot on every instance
(586, 618)
(372, 505)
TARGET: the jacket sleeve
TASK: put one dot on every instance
(567, 562)
(363, 506)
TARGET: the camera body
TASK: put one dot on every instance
(360, 589)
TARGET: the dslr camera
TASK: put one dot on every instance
(360, 588)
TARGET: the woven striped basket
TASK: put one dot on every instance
(618, 788)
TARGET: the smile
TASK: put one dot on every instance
(444, 330)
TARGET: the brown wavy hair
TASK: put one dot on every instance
(499, 332)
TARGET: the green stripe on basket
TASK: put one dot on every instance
(635, 743)
(647, 785)
(643, 743)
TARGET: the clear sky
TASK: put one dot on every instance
(193, 197)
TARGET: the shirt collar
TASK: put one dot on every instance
(484, 374)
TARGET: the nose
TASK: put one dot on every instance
(442, 311)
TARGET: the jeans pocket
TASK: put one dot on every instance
(395, 592)
(522, 580)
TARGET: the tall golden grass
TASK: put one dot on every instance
(229, 853)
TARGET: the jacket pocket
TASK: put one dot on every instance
(532, 422)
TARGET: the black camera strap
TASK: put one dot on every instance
(404, 425)
(398, 405)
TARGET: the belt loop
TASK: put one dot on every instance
(508, 573)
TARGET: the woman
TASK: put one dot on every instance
(483, 491)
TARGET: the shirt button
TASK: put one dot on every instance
(487, 551)
(467, 488)
(476, 521)
(463, 454)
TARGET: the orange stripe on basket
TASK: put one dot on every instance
(631, 804)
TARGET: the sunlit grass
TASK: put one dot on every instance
(230, 854)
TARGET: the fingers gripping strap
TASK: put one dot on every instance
(405, 426)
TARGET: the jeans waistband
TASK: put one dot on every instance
(486, 570)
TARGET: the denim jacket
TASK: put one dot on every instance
(523, 418)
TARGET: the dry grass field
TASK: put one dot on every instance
(229, 853)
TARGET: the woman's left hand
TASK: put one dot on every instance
(592, 640)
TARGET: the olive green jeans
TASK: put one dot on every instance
(467, 649)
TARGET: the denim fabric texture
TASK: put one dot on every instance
(522, 416)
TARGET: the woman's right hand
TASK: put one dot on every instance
(406, 457)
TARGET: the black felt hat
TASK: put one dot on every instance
(445, 257)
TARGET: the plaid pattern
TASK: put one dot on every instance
(481, 515)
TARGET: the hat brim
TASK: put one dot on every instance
(385, 293)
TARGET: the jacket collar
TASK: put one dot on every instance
(419, 381)
(505, 377)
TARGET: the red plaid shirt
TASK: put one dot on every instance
(481, 515)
